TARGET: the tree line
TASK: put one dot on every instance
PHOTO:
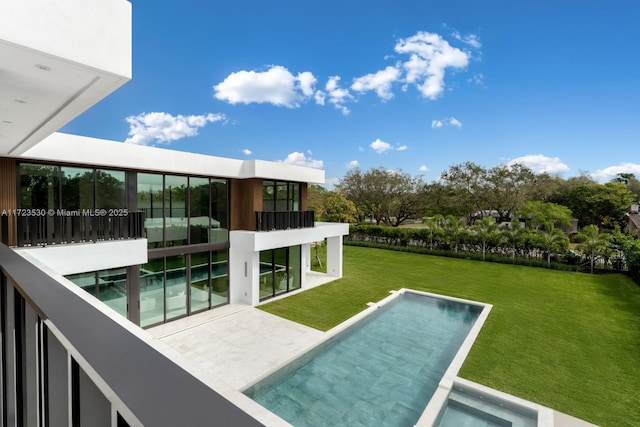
(476, 209)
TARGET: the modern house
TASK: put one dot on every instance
(154, 234)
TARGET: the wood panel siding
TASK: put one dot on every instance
(8, 195)
(246, 199)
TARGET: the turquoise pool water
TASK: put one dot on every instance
(381, 371)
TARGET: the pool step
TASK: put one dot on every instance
(495, 411)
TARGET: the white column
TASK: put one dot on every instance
(334, 256)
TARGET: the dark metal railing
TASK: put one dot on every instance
(267, 221)
(60, 229)
(114, 378)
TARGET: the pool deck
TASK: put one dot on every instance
(231, 347)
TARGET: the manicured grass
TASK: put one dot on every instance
(570, 341)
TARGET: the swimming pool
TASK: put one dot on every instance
(382, 370)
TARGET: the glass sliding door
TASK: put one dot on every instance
(266, 274)
(200, 282)
(295, 268)
(112, 289)
(152, 292)
(176, 286)
(281, 282)
(219, 211)
(219, 278)
(280, 271)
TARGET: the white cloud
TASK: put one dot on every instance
(380, 82)
(246, 152)
(360, 148)
(430, 56)
(540, 164)
(353, 164)
(449, 121)
(338, 96)
(611, 172)
(454, 122)
(277, 86)
(162, 128)
(424, 168)
(380, 146)
(299, 159)
(470, 39)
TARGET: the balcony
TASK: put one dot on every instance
(267, 221)
(52, 230)
(67, 361)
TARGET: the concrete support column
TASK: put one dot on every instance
(334, 256)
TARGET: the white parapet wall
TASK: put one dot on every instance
(84, 257)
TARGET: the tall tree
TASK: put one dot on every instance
(538, 213)
(601, 204)
(506, 189)
(388, 196)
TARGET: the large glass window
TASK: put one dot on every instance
(175, 210)
(150, 201)
(280, 271)
(219, 211)
(152, 292)
(39, 186)
(200, 281)
(110, 189)
(280, 196)
(109, 286)
(176, 286)
(219, 278)
(77, 185)
(199, 216)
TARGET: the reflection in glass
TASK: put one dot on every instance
(175, 210)
(176, 286)
(219, 278)
(199, 281)
(268, 196)
(219, 212)
(150, 202)
(152, 292)
(280, 270)
(294, 197)
(295, 267)
(110, 189)
(39, 190)
(266, 274)
(282, 196)
(109, 286)
(112, 289)
(77, 188)
(199, 216)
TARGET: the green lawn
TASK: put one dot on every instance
(570, 341)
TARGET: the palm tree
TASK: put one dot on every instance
(433, 224)
(514, 233)
(552, 239)
(454, 227)
(485, 229)
(594, 242)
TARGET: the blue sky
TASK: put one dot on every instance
(411, 85)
